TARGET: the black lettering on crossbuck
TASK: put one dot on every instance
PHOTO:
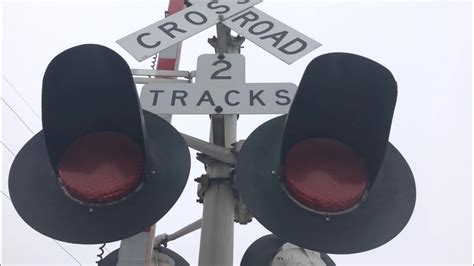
(142, 43)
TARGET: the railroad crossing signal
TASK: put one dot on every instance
(99, 157)
(325, 177)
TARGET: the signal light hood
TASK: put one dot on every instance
(263, 250)
(56, 184)
(112, 258)
(346, 99)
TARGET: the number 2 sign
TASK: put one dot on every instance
(220, 70)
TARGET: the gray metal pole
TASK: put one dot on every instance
(217, 232)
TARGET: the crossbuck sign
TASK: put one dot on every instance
(220, 86)
(265, 31)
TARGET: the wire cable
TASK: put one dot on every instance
(6, 195)
(154, 59)
(8, 149)
(6, 146)
(65, 250)
(24, 123)
(101, 248)
(19, 94)
(55, 241)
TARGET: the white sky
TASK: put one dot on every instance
(427, 46)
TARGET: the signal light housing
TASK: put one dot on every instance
(112, 258)
(102, 169)
(324, 177)
(263, 250)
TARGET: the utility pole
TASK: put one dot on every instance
(217, 233)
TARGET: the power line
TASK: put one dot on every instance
(24, 123)
(6, 195)
(67, 252)
(8, 149)
(19, 94)
(55, 241)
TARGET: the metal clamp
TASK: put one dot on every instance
(163, 239)
(210, 150)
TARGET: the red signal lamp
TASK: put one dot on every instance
(324, 175)
(101, 168)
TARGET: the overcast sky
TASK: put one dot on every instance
(427, 46)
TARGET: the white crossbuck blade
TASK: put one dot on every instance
(272, 35)
(275, 37)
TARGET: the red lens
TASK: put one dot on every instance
(325, 174)
(101, 167)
